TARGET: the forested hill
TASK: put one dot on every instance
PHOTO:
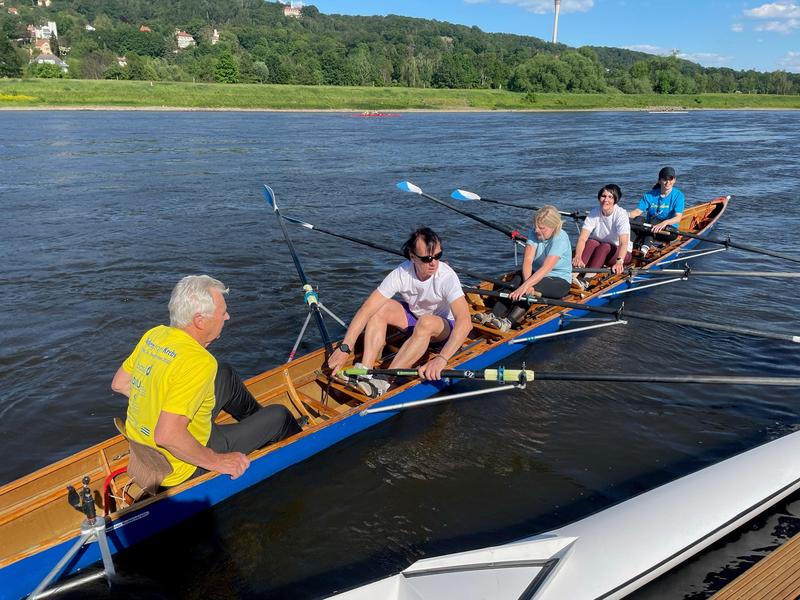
(254, 41)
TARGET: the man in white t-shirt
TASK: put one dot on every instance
(431, 309)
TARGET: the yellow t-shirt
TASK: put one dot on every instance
(170, 371)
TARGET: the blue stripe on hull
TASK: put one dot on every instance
(20, 578)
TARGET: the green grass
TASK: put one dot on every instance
(31, 93)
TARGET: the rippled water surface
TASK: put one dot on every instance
(102, 212)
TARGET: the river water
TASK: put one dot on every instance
(102, 212)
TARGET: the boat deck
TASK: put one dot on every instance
(776, 577)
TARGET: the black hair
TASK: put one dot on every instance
(428, 236)
(614, 189)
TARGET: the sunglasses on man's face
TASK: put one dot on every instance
(430, 258)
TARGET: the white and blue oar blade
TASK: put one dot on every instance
(464, 195)
(407, 186)
(270, 196)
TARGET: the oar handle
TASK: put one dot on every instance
(500, 375)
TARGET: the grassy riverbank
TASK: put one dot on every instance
(65, 93)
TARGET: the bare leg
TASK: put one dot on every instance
(391, 313)
(429, 328)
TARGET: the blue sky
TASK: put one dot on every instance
(741, 34)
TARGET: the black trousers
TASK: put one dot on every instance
(549, 287)
(257, 426)
(644, 237)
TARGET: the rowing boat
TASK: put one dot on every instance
(611, 553)
(38, 526)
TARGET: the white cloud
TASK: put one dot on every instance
(737, 27)
(780, 26)
(790, 62)
(774, 10)
(779, 17)
(546, 6)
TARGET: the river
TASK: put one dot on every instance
(103, 211)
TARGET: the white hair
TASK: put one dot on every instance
(192, 296)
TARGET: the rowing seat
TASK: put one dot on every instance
(147, 467)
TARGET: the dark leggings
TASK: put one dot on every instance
(257, 426)
(644, 237)
(549, 287)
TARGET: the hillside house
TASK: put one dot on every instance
(43, 46)
(144, 29)
(184, 40)
(45, 32)
(214, 37)
(43, 3)
(12, 10)
(290, 10)
(51, 59)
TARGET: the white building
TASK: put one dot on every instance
(290, 10)
(51, 59)
(45, 32)
(184, 40)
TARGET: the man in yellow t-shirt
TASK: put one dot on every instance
(176, 388)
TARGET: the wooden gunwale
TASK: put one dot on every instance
(305, 380)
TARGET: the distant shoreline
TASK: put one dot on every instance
(356, 112)
(108, 95)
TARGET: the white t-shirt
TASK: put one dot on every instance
(608, 228)
(432, 296)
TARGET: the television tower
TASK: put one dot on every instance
(555, 20)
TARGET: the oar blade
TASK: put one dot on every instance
(270, 197)
(407, 186)
(464, 195)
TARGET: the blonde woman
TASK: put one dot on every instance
(546, 267)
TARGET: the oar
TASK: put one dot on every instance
(516, 236)
(503, 375)
(376, 246)
(466, 195)
(624, 312)
(688, 272)
(726, 242)
(524, 376)
(310, 296)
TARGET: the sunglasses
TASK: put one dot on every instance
(429, 258)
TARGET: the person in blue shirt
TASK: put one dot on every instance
(546, 268)
(661, 207)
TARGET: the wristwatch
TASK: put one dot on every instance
(620, 259)
(344, 348)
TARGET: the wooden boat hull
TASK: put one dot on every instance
(37, 527)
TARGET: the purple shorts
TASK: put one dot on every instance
(411, 321)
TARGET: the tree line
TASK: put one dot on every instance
(258, 44)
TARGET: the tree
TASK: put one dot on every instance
(93, 65)
(226, 69)
(260, 72)
(10, 62)
(456, 70)
(140, 68)
(48, 71)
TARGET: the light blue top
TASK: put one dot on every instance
(658, 208)
(559, 246)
